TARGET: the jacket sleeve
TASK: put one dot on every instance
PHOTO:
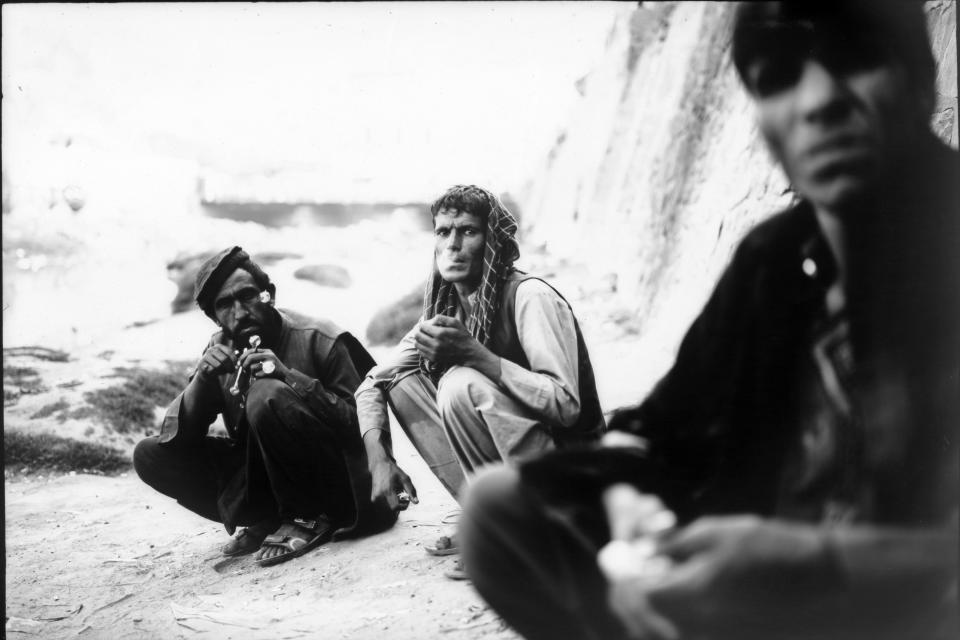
(189, 422)
(547, 333)
(331, 396)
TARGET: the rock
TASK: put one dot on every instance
(393, 321)
(325, 275)
(182, 270)
(270, 258)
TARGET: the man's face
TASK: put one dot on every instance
(834, 126)
(239, 310)
(458, 248)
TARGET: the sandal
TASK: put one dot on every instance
(247, 539)
(456, 572)
(444, 546)
(308, 535)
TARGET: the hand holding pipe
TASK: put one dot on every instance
(235, 389)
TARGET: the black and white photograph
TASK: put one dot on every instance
(503, 320)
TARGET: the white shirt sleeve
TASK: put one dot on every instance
(371, 401)
(547, 332)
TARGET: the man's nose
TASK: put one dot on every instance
(239, 310)
(454, 241)
(823, 95)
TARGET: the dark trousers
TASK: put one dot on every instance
(287, 465)
(532, 559)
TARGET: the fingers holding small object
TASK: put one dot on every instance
(268, 367)
(403, 500)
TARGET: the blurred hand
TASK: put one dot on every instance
(216, 360)
(743, 572)
(629, 561)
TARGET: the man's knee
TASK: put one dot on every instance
(491, 496)
(462, 389)
(264, 398)
(146, 457)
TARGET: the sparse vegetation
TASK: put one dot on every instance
(129, 407)
(41, 353)
(18, 381)
(393, 321)
(45, 452)
(48, 410)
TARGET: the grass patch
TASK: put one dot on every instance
(18, 381)
(129, 407)
(393, 321)
(47, 452)
(41, 353)
(48, 410)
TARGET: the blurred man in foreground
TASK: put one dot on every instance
(805, 441)
(496, 370)
(292, 471)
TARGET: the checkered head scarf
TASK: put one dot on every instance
(500, 252)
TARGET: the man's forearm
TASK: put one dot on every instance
(195, 412)
(484, 361)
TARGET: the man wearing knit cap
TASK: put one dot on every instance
(292, 471)
(794, 475)
(496, 370)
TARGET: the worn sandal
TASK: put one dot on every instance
(293, 546)
(444, 546)
(247, 540)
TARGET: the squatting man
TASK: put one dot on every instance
(292, 471)
(495, 371)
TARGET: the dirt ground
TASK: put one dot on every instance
(107, 557)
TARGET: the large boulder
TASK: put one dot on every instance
(392, 322)
(182, 270)
(325, 275)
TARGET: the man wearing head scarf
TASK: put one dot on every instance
(495, 371)
(795, 473)
(292, 470)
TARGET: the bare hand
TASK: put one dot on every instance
(263, 363)
(630, 562)
(388, 481)
(216, 360)
(446, 342)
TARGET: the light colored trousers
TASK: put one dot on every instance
(464, 423)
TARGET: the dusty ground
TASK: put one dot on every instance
(101, 557)
(106, 557)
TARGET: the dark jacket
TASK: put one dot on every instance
(720, 423)
(327, 365)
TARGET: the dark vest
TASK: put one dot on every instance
(505, 342)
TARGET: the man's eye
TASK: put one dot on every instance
(469, 232)
(770, 77)
(223, 304)
(442, 232)
(248, 295)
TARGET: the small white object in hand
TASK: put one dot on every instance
(634, 560)
(269, 367)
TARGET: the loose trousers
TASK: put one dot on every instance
(465, 423)
(288, 464)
